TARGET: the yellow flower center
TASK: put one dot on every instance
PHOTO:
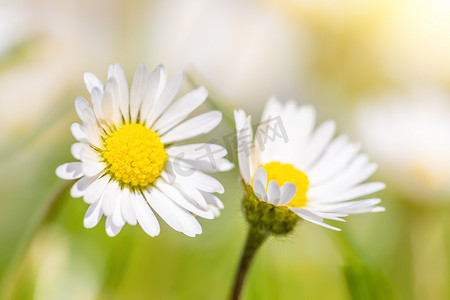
(283, 173)
(135, 155)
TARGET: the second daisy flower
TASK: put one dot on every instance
(295, 170)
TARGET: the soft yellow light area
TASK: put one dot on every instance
(135, 155)
(283, 173)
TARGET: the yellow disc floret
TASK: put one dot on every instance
(283, 173)
(135, 155)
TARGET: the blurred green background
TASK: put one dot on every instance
(338, 55)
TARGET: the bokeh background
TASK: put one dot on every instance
(381, 68)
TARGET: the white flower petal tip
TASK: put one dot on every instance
(273, 193)
(294, 163)
(287, 193)
(239, 117)
(70, 171)
(196, 126)
(260, 184)
(147, 116)
(111, 229)
(91, 81)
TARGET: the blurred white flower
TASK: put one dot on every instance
(243, 49)
(410, 137)
(39, 39)
(130, 160)
(293, 165)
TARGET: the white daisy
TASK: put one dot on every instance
(415, 153)
(290, 164)
(129, 160)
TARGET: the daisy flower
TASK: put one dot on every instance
(301, 171)
(415, 153)
(130, 161)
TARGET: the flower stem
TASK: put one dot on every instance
(255, 239)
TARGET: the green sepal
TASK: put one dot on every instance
(266, 217)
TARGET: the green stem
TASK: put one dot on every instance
(255, 239)
(51, 209)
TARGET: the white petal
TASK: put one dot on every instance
(197, 151)
(306, 116)
(363, 175)
(178, 111)
(93, 168)
(260, 183)
(259, 190)
(69, 171)
(269, 123)
(116, 216)
(138, 89)
(110, 71)
(83, 108)
(286, 133)
(214, 203)
(306, 214)
(93, 215)
(175, 195)
(206, 183)
(333, 151)
(96, 98)
(92, 131)
(323, 224)
(156, 84)
(78, 132)
(110, 198)
(80, 187)
(166, 97)
(111, 103)
(183, 185)
(199, 180)
(191, 128)
(213, 200)
(111, 229)
(207, 165)
(273, 193)
(223, 165)
(76, 149)
(89, 155)
(145, 216)
(357, 171)
(365, 210)
(96, 189)
(127, 203)
(91, 81)
(329, 167)
(119, 75)
(353, 193)
(345, 207)
(287, 193)
(271, 109)
(261, 176)
(165, 208)
(312, 217)
(215, 210)
(322, 136)
(259, 145)
(190, 191)
(332, 216)
(244, 137)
